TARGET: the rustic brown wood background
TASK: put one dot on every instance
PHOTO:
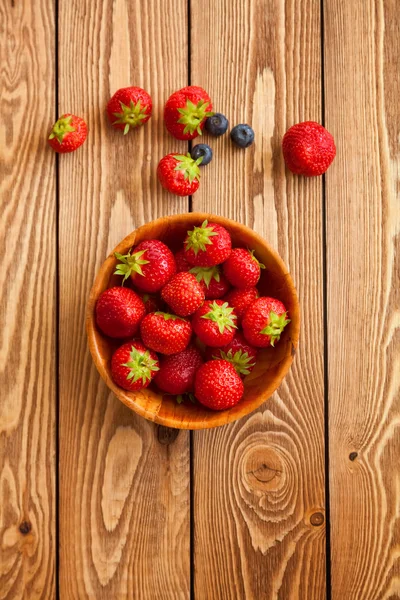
(300, 500)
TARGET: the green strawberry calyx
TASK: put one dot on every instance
(222, 315)
(130, 263)
(182, 397)
(242, 362)
(276, 324)
(188, 165)
(199, 238)
(260, 264)
(168, 316)
(192, 116)
(131, 116)
(206, 274)
(141, 366)
(61, 128)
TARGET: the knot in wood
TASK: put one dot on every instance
(263, 468)
(317, 519)
(166, 435)
(25, 527)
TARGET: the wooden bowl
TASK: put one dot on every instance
(272, 364)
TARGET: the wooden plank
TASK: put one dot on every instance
(259, 483)
(362, 88)
(27, 301)
(124, 494)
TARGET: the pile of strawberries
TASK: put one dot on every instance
(191, 322)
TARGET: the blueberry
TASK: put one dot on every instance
(204, 151)
(242, 136)
(217, 124)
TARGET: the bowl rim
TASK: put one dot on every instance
(221, 417)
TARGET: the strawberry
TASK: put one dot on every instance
(119, 312)
(214, 323)
(133, 366)
(240, 300)
(130, 107)
(217, 385)
(183, 294)
(264, 322)
(150, 267)
(207, 245)
(151, 303)
(177, 372)
(179, 174)
(308, 149)
(242, 269)
(181, 262)
(212, 281)
(186, 111)
(68, 133)
(238, 352)
(165, 333)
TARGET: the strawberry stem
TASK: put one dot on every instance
(206, 274)
(61, 128)
(242, 362)
(199, 238)
(193, 115)
(276, 325)
(131, 115)
(222, 315)
(189, 166)
(141, 366)
(130, 263)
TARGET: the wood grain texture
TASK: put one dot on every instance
(362, 53)
(259, 483)
(27, 302)
(124, 491)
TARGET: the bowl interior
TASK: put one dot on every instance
(272, 363)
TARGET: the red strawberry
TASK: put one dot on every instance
(183, 294)
(212, 281)
(207, 245)
(186, 111)
(68, 133)
(150, 266)
(240, 300)
(177, 372)
(119, 312)
(242, 269)
(217, 385)
(181, 262)
(264, 322)
(165, 333)
(308, 149)
(133, 366)
(238, 352)
(151, 303)
(214, 323)
(179, 174)
(129, 107)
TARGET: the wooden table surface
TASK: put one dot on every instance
(300, 500)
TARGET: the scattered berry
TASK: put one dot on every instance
(217, 385)
(133, 366)
(213, 282)
(207, 245)
(177, 372)
(240, 300)
(183, 294)
(119, 312)
(242, 269)
(68, 133)
(185, 112)
(217, 124)
(150, 267)
(202, 151)
(214, 323)
(181, 262)
(264, 322)
(242, 136)
(179, 174)
(165, 333)
(308, 149)
(130, 107)
(238, 352)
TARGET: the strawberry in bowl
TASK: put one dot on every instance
(227, 352)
